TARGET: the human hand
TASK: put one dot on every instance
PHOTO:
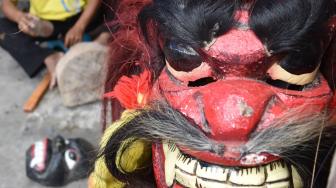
(73, 36)
(27, 24)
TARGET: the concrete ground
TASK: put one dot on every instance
(18, 129)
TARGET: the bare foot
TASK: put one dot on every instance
(51, 62)
(103, 38)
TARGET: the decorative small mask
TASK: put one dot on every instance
(58, 161)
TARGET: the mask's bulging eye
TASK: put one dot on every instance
(181, 57)
(185, 64)
(279, 77)
(71, 158)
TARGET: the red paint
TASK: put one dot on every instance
(177, 186)
(236, 107)
(32, 151)
(237, 54)
(242, 16)
(229, 158)
(333, 111)
(158, 165)
(238, 47)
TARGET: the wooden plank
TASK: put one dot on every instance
(38, 94)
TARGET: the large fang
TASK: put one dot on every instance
(171, 152)
(189, 172)
(297, 181)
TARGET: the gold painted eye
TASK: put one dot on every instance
(204, 70)
(200, 76)
(277, 73)
(185, 64)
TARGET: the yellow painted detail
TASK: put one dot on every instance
(135, 156)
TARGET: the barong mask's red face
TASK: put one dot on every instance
(240, 90)
(226, 94)
(234, 89)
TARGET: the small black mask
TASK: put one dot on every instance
(59, 161)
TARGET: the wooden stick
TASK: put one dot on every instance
(38, 93)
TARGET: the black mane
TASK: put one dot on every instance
(293, 29)
(191, 22)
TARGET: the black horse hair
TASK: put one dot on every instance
(294, 141)
(191, 22)
(293, 29)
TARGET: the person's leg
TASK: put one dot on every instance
(59, 30)
(51, 63)
(22, 47)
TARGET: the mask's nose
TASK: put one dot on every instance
(234, 108)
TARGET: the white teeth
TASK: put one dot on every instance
(277, 171)
(186, 164)
(284, 184)
(212, 172)
(248, 176)
(189, 172)
(185, 179)
(203, 183)
(297, 181)
(171, 152)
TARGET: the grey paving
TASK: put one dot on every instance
(18, 129)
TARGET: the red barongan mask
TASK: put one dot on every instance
(228, 101)
(243, 94)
